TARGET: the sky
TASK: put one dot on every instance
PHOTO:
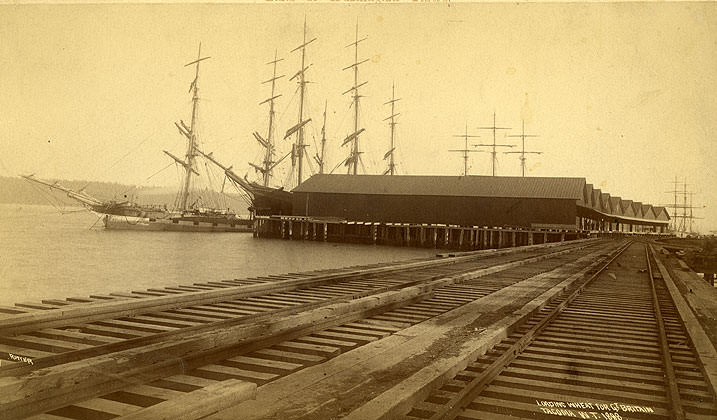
(622, 94)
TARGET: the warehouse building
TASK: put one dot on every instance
(518, 202)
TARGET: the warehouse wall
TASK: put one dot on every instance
(465, 211)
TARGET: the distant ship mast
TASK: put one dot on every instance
(319, 157)
(465, 150)
(494, 145)
(389, 155)
(523, 152)
(297, 160)
(268, 164)
(190, 133)
(354, 155)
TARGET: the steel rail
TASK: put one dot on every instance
(667, 271)
(452, 408)
(677, 412)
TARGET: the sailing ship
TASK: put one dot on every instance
(186, 217)
(268, 200)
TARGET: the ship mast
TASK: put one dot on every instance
(354, 155)
(494, 145)
(320, 157)
(299, 146)
(523, 152)
(465, 150)
(389, 155)
(268, 164)
(191, 134)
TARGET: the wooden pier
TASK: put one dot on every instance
(596, 323)
(404, 234)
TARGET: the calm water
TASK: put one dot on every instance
(45, 255)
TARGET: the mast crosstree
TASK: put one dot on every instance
(523, 152)
(269, 163)
(391, 170)
(494, 145)
(465, 150)
(354, 155)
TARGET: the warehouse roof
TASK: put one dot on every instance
(615, 205)
(471, 186)
(661, 213)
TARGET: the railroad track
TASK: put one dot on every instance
(614, 348)
(123, 355)
(45, 331)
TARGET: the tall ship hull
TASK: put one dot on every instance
(265, 201)
(268, 201)
(126, 215)
(179, 223)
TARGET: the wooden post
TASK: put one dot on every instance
(545, 238)
(283, 230)
(326, 231)
(374, 233)
(530, 238)
(446, 236)
(460, 239)
(500, 239)
(513, 241)
(485, 238)
(562, 237)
